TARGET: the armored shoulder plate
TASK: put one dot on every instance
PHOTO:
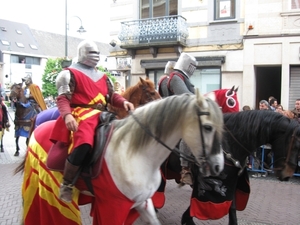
(62, 82)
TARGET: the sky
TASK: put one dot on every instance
(49, 15)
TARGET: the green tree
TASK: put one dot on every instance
(52, 69)
(101, 68)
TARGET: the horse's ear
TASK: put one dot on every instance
(236, 89)
(200, 99)
(142, 80)
(231, 91)
(211, 95)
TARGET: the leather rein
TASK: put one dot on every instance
(176, 150)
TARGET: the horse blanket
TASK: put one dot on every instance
(41, 187)
(212, 196)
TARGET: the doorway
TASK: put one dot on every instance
(268, 83)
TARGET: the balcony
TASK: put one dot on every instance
(153, 33)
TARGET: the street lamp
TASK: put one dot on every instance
(80, 30)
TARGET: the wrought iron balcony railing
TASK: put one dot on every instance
(157, 31)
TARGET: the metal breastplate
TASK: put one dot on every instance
(95, 75)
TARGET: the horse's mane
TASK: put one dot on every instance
(256, 123)
(161, 117)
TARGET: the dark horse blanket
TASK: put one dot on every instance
(212, 196)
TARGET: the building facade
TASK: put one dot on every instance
(250, 44)
(25, 51)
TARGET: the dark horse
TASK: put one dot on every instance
(244, 133)
(25, 111)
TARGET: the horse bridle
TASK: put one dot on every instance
(179, 153)
(149, 97)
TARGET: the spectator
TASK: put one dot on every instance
(246, 108)
(296, 110)
(264, 105)
(273, 103)
(279, 108)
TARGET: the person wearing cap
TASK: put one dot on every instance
(83, 93)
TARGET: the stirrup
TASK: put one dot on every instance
(186, 177)
(66, 192)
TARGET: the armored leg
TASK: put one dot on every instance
(72, 165)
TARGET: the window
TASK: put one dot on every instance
(14, 59)
(20, 45)
(155, 75)
(25, 60)
(33, 46)
(158, 8)
(295, 4)
(32, 60)
(224, 9)
(5, 43)
(207, 79)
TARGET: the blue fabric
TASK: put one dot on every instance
(25, 105)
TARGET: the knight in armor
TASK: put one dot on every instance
(163, 82)
(83, 92)
(33, 94)
(178, 83)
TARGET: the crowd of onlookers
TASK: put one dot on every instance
(272, 104)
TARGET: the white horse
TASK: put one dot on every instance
(130, 170)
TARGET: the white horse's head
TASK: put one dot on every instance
(162, 123)
(203, 134)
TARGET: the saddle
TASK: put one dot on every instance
(91, 168)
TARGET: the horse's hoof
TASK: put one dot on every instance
(2, 150)
(17, 154)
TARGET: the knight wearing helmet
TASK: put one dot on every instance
(83, 93)
(177, 82)
(33, 93)
(163, 81)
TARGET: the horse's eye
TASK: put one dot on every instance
(208, 128)
(152, 93)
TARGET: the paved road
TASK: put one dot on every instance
(271, 202)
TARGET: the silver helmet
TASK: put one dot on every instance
(186, 64)
(27, 79)
(169, 68)
(88, 53)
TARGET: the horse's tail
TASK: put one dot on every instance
(20, 167)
